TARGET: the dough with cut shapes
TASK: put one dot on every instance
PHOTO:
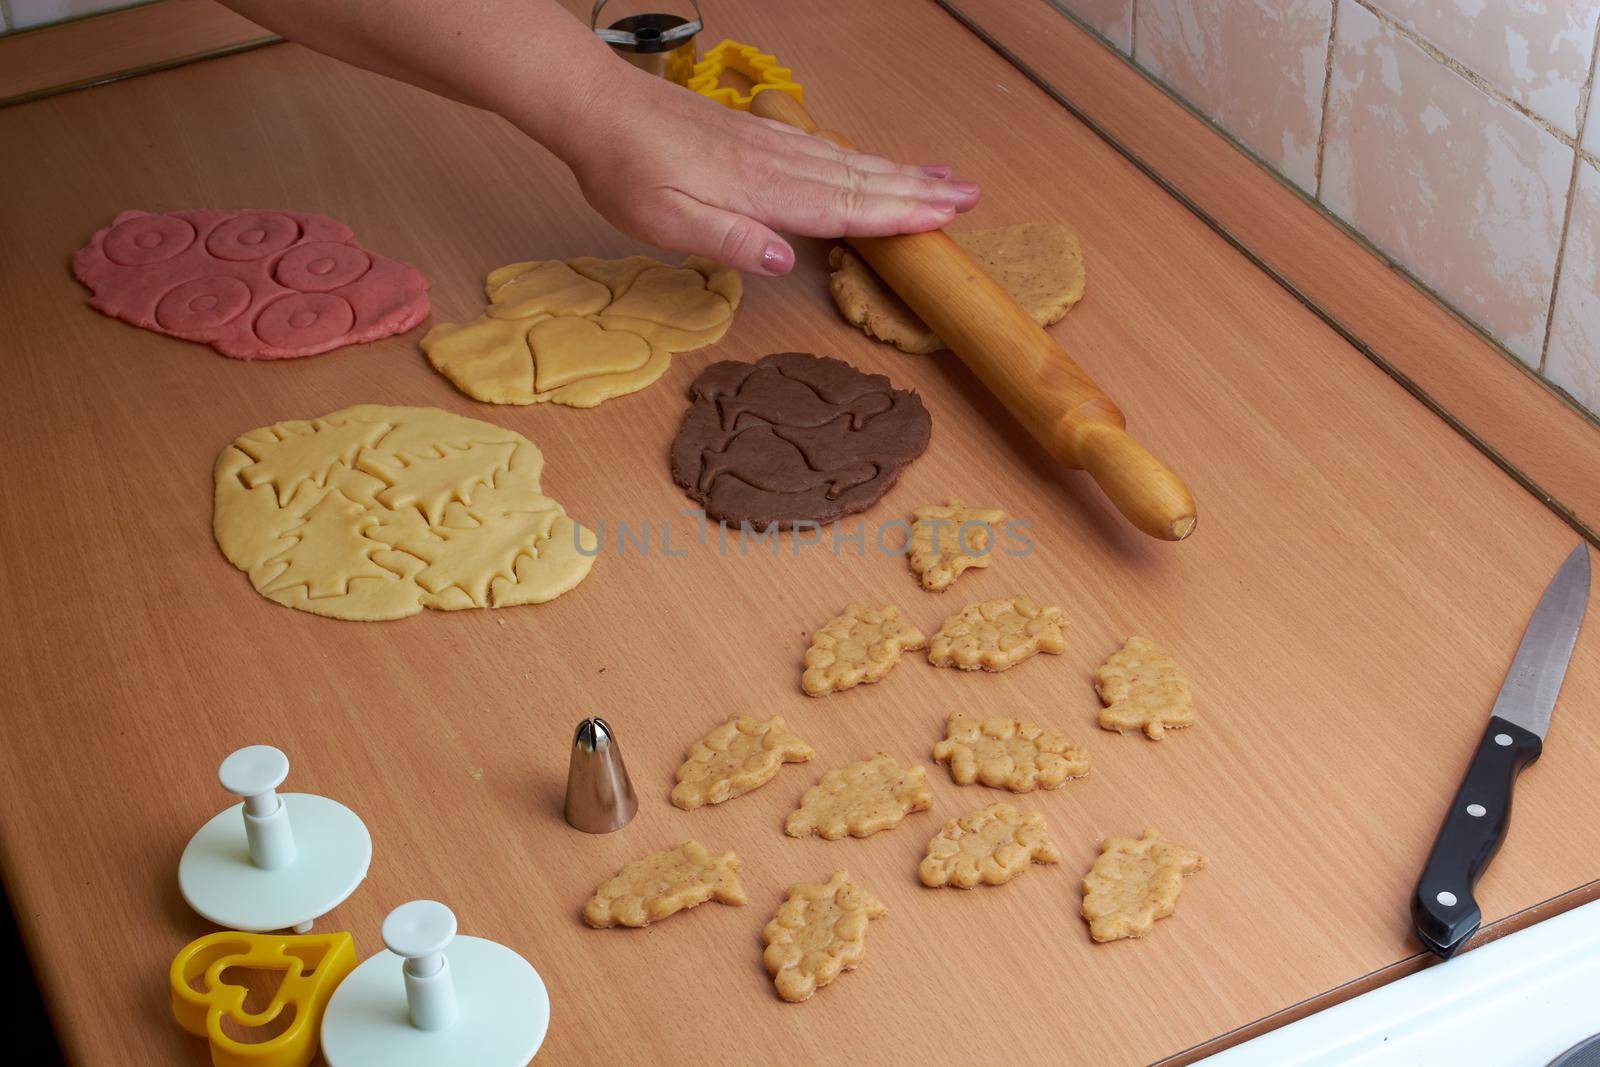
(378, 512)
(585, 330)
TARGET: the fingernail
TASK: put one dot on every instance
(965, 188)
(936, 170)
(777, 258)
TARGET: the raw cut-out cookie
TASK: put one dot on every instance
(378, 512)
(860, 799)
(663, 884)
(583, 331)
(1143, 689)
(1009, 754)
(989, 846)
(794, 438)
(997, 634)
(738, 756)
(819, 931)
(860, 645)
(948, 539)
(1039, 263)
(1133, 883)
(251, 284)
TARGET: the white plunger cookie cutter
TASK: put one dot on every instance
(273, 862)
(466, 1000)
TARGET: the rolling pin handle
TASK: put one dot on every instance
(781, 107)
(1147, 492)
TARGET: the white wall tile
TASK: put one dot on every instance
(1111, 19)
(1534, 51)
(26, 14)
(1256, 69)
(1573, 360)
(1465, 192)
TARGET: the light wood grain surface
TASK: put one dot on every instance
(117, 42)
(1500, 401)
(1347, 607)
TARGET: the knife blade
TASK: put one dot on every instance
(1443, 909)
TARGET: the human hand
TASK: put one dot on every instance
(672, 168)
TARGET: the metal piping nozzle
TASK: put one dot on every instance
(599, 795)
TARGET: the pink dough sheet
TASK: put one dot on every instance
(251, 284)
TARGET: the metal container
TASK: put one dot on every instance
(662, 45)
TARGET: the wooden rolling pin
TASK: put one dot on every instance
(1058, 403)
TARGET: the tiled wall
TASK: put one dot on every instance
(27, 14)
(1460, 137)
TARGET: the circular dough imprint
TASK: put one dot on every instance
(377, 512)
(1038, 263)
(581, 331)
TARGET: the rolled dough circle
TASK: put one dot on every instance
(147, 239)
(201, 305)
(305, 320)
(321, 266)
(253, 235)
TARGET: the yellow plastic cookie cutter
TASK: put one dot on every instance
(762, 70)
(312, 966)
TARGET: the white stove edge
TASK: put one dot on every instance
(1516, 1002)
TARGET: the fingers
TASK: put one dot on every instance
(909, 183)
(802, 143)
(688, 225)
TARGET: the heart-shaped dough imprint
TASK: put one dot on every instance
(616, 324)
(567, 349)
(672, 296)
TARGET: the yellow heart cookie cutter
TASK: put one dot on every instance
(313, 965)
(762, 70)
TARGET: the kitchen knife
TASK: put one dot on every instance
(1445, 913)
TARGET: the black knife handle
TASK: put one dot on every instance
(1444, 910)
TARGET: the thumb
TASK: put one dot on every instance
(725, 236)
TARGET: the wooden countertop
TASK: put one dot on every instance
(1347, 608)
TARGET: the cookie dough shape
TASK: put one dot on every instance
(859, 799)
(377, 512)
(1039, 263)
(585, 330)
(997, 634)
(794, 438)
(740, 755)
(251, 284)
(663, 884)
(1143, 689)
(947, 539)
(860, 645)
(989, 846)
(817, 933)
(1134, 882)
(1012, 754)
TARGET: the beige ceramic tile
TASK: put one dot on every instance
(1463, 191)
(1255, 68)
(1535, 51)
(1573, 360)
(1111, 19)
(26, 14)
